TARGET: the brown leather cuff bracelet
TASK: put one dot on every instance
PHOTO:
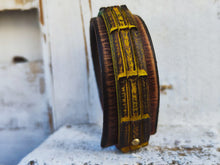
(127, 77)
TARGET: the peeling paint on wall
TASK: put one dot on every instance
(35, 69)
(41, 12)
(90, 7)
(50, 118)
(42, 85)
(85, 44)
(18, 4)
(84, 37)
(45, 37)
(23, 2)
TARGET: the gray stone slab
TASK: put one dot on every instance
(80, 144)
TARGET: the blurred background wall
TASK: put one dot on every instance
(23, 104)
(52, 82)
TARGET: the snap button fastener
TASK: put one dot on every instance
(135, 142)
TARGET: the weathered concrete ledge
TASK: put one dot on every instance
(80, 144)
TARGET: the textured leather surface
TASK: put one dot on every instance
(127, 77)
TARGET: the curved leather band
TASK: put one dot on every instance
(127, 77)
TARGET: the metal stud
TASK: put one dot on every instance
(135, 142)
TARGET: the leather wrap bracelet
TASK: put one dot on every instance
(127, 77)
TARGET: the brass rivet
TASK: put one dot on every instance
(135, 142)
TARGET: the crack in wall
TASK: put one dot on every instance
(90, 7)
(86, 50)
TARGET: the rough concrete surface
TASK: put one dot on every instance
(171, 145)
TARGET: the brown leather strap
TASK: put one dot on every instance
(153, 78)
(102, 60)
(127, 78)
